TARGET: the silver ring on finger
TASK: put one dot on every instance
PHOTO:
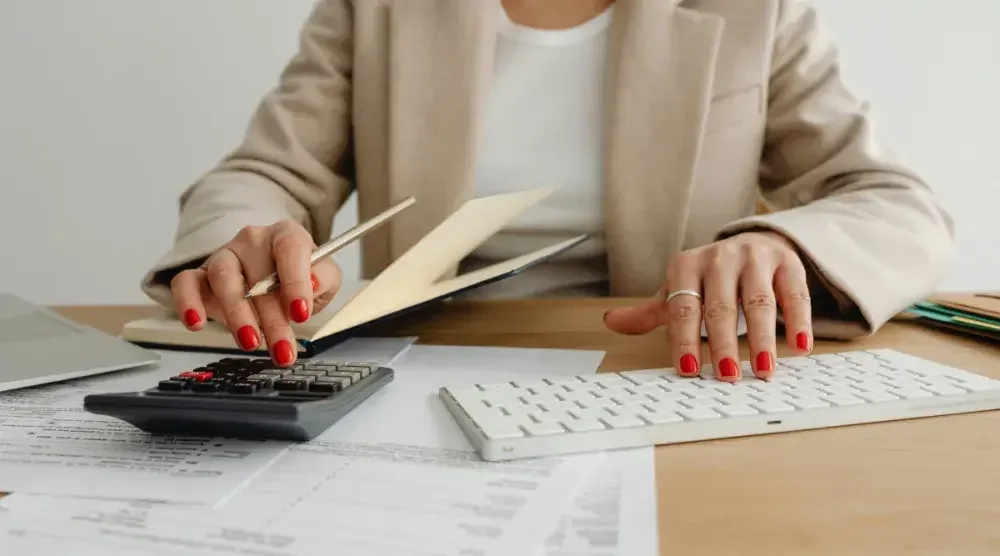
(676, 293)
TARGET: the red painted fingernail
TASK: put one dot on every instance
(763, 361)
(299, 310)
(192, 318)
(315, 283)
(283, 353)
(248, 337)
(689, 364)
(802, 341)
(728, 368)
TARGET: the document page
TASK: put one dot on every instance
(364, 500)
(50, 444)
(614, 514)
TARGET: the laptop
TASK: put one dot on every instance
(39, 346)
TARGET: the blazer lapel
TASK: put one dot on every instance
(441, 61)
(662, 65)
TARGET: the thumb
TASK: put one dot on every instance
(637, 319)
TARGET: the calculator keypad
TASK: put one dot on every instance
(256, 378)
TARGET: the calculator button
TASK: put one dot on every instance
(339, 381)
(172, 385)
(363, 370)
(197, 376)
(291, 385)
(262, 380)
(210, 386)
(324, 387)
(309, 373)
(352, 377)
(242, 388)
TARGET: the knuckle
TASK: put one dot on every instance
(686, 344)
(720, 310)
(762, 301)
(683, 261)
(233, 314)
(252, 235)
(683, 312)
(272, 325)
(178, 281)
(288, 243)
(755, 252)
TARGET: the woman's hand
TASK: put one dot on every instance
(758, 271)
(217, 289)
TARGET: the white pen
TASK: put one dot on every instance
(269, 284)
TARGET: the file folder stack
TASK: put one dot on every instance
(976, 314)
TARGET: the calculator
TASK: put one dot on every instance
(247, 398)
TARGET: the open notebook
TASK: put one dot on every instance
(409, 283)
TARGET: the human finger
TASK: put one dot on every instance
(638, 319)
(291, 247)
(326, 280)
(186, 290)
(257, 260)
(684, 313)
(225, 277)
(721, 284)
(792, 293)
(760, 310)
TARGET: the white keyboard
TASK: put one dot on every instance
(604, 411)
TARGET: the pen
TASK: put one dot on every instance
(269, 284)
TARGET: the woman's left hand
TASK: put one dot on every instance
(758, 271)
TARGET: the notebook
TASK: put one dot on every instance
(975, 314)
(411, 282)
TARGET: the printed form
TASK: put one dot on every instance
(395, 477)
(50, 444)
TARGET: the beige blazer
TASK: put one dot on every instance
(712, 105)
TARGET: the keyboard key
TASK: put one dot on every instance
(877, 396)
(944, 390)
(661, 417)
(500, 430)
(843, 400)
(622, 421)
(542, 429)
(699, 414)
(773, 406)
(808, 403)
(736, 410)
(910, 393)
(583, 425)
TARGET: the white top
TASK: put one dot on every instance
(543, 128)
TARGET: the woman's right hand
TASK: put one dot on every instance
(216, 290)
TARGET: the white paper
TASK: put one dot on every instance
(395, 477)
(408, 411)
(363, 500)
(50, 444)
(614, 514)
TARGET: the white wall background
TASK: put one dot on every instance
(108, 108)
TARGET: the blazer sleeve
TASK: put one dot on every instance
(288, 163)
(870, 231)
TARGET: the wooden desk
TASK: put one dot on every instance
(919, 487)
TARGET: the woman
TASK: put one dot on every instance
(661, 121)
